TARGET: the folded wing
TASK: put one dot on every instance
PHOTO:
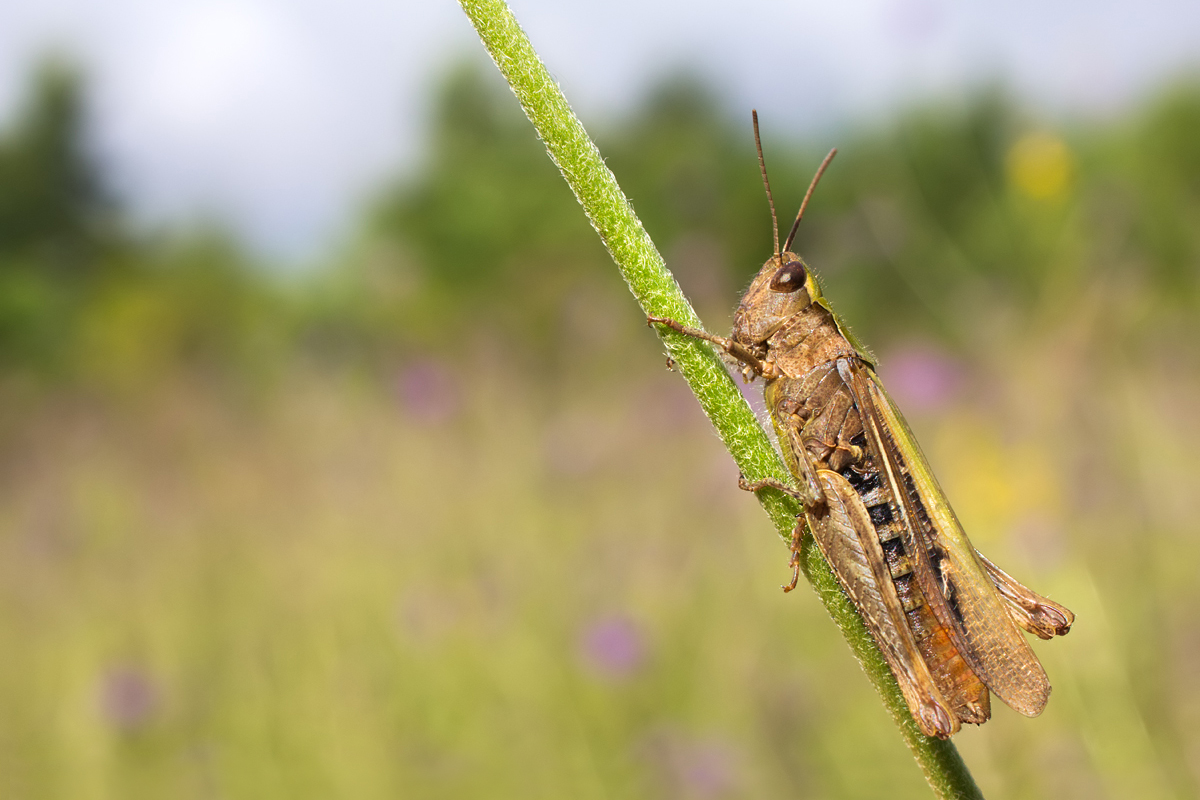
(957, 586)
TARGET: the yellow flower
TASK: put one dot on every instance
(1040, 165)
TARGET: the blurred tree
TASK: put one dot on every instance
(197, 303)
(496, 239)
(52, 202)
(678, 158)
(55, 218)
(692, 174)
(924, 222)
(79, 294)
(496, 235)
(1167, 181)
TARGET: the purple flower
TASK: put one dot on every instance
(693, 767)
(128, 697)
(612, 647)
(922, 378)
(427, 391)
(705, 769)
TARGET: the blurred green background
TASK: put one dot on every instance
(433, 520)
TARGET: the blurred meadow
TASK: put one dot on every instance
(434, 520)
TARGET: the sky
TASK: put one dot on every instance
(278, 118)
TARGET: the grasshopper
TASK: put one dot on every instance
(945, 618)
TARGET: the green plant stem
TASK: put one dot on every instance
(659, 295)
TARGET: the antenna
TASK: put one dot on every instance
(807, 195)
(762, 165)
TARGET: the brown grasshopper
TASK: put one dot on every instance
(945, 618)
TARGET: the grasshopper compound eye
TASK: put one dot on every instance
(789, 278)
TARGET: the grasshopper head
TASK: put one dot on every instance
(776, 295)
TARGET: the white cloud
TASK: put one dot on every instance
(206, 67)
